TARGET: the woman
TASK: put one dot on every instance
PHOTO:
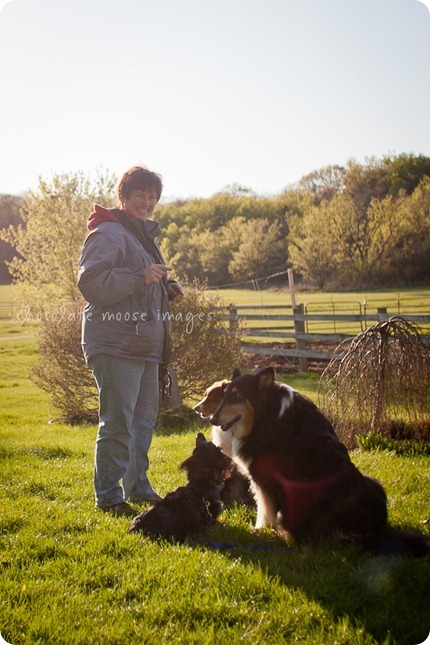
(126, 335)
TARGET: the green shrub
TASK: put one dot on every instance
(377, 441)
(61, 369)
(204, 348)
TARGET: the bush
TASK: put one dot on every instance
(204, 350)
(61, 369)
(379, 382)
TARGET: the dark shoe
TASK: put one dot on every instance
(152, 499)
(120, 510)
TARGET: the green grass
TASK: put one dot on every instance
(415, 297)
(71, 574)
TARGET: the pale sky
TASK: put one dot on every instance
(209, 92)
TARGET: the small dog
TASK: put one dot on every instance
(301, 474)
(189, 508)
(237, 486)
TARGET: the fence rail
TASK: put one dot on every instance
(295, 327)
(309, 332)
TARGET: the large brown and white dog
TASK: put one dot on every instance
(237, 486)
(301, 474)
(207, 406)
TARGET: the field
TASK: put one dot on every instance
(416, 299)
(315, 303)
(71, 574)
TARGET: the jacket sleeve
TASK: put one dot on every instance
(103, 277)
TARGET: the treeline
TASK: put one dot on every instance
(9, 216)
(358, 226)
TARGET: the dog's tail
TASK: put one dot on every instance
(402, 543)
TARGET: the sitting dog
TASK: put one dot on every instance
(236, 487)
(189, 508)
(301, 474)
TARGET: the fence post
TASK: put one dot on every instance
(299, 327)
(382, 313)
(291, 286)
(232, 317)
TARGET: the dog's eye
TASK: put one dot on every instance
(236, 395)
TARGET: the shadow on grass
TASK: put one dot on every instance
(387, 596)
(42, 452)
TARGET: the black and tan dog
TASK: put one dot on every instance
(300, 472)
(189, 508)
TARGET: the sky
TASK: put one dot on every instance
(209, 93)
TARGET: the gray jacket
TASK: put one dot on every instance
(122, 317)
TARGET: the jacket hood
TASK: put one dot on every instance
(101, 214)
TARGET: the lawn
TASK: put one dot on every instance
(71, 574)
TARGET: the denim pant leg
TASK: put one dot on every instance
(118, 380)
(135, 481)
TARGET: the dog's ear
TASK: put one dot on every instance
(200, 439)
(265, 377)
(186, 464)
(236, 372)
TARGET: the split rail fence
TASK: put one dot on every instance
(314, 333)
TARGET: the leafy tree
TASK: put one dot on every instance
(180, 249)
(261, 250)
(324, 184)
(215, 251)
(9, 216)
(379, 178)
(10, 210)
(409, 259)
(311, 246)
(352, 238)
(383, 225)
(405, 172)
(200, 214)
(365, 242)
(51, 236)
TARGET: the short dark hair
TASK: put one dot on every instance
(139, 178)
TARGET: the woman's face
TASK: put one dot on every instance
(141, 203)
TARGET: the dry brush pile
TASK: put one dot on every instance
(379, 381)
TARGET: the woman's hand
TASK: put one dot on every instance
(154, 273)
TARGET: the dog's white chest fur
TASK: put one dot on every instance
(222, 439)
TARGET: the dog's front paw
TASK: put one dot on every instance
(263, 525)
(266, 517)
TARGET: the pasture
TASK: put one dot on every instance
(71, 574)
(416, 298)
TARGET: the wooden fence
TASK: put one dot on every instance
(296, 328)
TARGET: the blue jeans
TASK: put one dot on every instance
(128, 408)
